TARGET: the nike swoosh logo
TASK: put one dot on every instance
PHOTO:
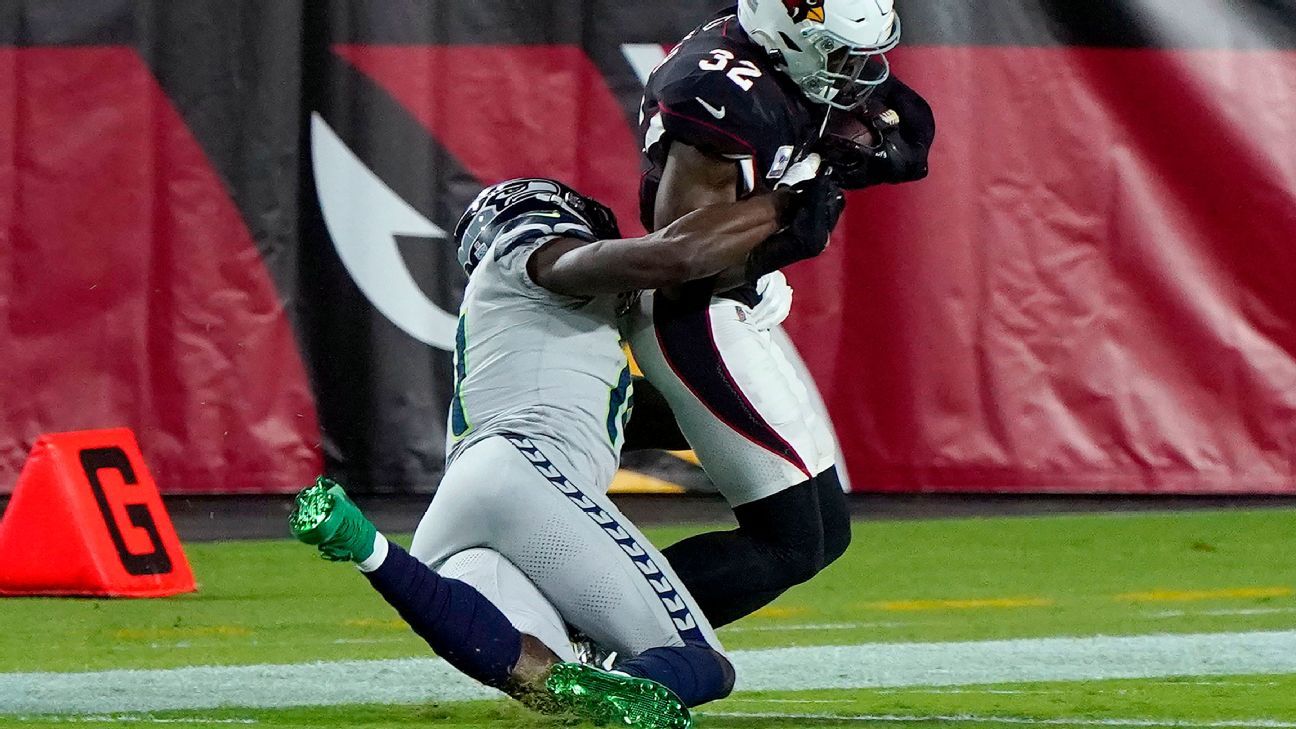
(717, 113)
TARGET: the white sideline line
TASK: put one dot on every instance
(741, 699)
(877, 665)
(1165, 614)
(977, 719)
(893, 665)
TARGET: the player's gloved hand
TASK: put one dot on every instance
(886, 141)
(800, 172)
(775, 302)
(815, 207)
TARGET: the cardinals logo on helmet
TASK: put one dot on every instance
(800, 10)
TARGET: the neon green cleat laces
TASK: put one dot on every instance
(617, 699)
(325, 517)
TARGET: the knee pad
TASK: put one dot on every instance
(835, 511)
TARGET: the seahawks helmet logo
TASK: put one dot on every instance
(800, 10)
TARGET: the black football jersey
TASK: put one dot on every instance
(719, 91)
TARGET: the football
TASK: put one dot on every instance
(853, 127)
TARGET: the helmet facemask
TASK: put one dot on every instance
(835, 50)
(849, 74)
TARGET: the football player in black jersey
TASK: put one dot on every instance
(740, 100)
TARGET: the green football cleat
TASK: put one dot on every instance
(605, 698)
(328, 519)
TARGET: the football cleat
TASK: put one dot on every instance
(610, 698)
(326, 518)
(589, 652)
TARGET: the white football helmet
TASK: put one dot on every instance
(826, 45)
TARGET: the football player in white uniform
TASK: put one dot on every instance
(739, 99)
(521, 540)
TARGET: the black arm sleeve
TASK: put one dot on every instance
(917, 122)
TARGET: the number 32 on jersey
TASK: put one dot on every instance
(740, 73)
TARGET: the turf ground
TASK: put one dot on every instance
(954, 623)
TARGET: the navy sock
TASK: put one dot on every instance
(460, 624)
(696, 673)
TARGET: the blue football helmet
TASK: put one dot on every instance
(549, 202)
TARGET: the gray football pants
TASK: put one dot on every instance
(568, 554)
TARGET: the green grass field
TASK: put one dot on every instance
(901, 583)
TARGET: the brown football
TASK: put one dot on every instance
(851, 127)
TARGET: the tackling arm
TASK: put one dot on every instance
(692, 180)
(698, 245)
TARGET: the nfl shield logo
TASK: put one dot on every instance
(782, 159)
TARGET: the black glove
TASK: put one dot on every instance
(902, 122)
(816, 206)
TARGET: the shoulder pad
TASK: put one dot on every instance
(722, 99)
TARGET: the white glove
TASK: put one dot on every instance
(775, 303)
(803, 170)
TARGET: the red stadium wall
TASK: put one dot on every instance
(131, 292)
(1092, 291)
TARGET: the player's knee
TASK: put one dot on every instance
(422, 548)
(695, 671)
(801, 563)
(714, 669)
(837, 538)
(800, 560)
(788, 528)
(807, 548)
(426, 548)
(835, 511)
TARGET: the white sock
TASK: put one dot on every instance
(379, 555)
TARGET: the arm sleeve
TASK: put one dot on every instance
(917, 122)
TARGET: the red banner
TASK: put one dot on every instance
(131, 292)
(236, 248)
(1092, 292)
